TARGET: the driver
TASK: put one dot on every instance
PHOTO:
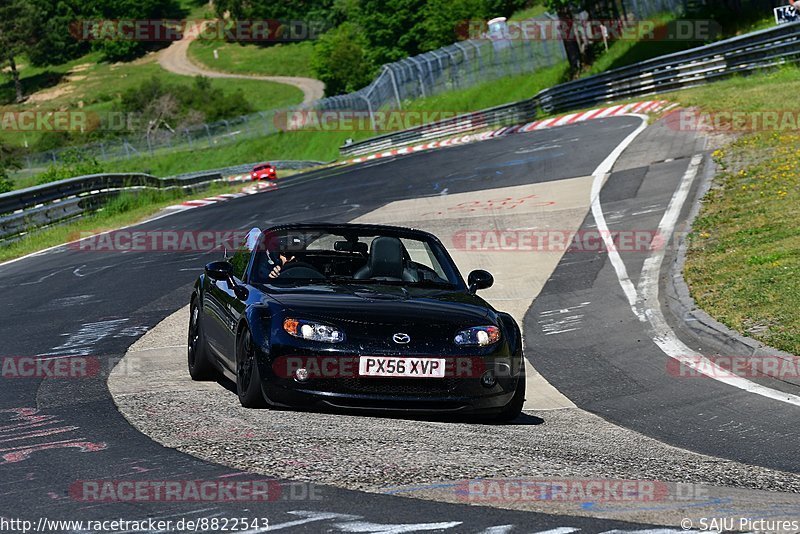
(277, 265)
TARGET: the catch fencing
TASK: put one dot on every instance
(458, 66)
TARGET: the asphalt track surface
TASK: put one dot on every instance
(94, 303)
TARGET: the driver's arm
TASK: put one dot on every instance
(276, 271)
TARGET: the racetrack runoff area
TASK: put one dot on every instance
(437, 460)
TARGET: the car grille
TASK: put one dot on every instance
(420, 387)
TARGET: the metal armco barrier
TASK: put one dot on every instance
(56, 202)
(697, 66)
(503, 115)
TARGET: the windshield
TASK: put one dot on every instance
(330, 256)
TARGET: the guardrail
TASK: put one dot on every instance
(502, 115)
(680, 70)
(292, 165)
(65, 200)
(63, 189)
(56, 202)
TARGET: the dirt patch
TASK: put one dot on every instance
(50, 94)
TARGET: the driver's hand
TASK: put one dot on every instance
(276, 271)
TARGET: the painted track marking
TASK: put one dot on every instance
(644, 300)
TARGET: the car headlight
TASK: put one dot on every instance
(313, 331)
(478, 335)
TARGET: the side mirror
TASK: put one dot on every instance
(223, 271)
(479, 279)
(219, 270)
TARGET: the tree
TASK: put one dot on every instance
(8, 160)
(57, 29)
(17, 18)
(443, 18)
(393, 28)
(124, 49)
(340, 60)
(563, 8)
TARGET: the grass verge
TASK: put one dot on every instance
(91, 85)
(123, 210)
(282, 59)
(324, 145)
(743, 262)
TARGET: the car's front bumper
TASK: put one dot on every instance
(457, 392)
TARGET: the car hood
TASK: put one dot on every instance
(385, 304)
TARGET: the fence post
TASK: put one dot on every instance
(453, 69)
(369, 110)
(466, 61)
(421, 76)
(394, 86)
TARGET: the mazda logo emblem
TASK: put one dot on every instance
(401, 338)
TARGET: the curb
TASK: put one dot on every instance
(684, 308)
(648, 106)
(256, 187)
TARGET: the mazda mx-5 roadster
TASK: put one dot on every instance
(355, 317)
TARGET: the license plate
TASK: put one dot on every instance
(401, 367)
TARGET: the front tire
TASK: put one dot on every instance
(513, 409)
(200, 366)
(248, 378)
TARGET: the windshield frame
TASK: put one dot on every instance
(439, 251)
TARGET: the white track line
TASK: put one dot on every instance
(664, 337)
(644, 301)
(599, 176)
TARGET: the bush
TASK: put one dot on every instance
(5, 184)
(177, 105)
(340, 60)
(73, 163)
(8, 160)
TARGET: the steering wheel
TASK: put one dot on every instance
(295, 264)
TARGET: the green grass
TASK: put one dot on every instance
(197, 9)
(493, 93)
(321, 146)
(324, 145)
(282, 59)
(536, 10)
(124, 210)
(96, 87)
(761, 91)
(743, 263)
(623, 52)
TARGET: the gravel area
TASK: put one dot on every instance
(373, 453)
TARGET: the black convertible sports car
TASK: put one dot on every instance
(354, 316)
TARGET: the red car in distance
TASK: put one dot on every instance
(265, 171)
